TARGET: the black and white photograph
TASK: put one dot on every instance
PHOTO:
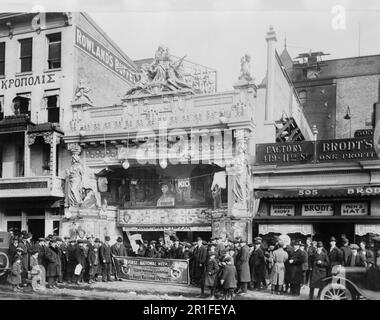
(190, 151)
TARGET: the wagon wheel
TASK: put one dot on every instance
(335, 292)
(4, 263)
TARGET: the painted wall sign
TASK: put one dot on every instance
(27, 81)
(354, 209)
(168, 228)
(282, 209)
(150, 269)
(164, 217)
(95, 49)
(318, 209)
(288, 153)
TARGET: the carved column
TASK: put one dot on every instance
(27, 155)
(53, 139)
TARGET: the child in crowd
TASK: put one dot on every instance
(15, 275)
(229, 278)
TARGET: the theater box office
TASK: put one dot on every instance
(318, 198)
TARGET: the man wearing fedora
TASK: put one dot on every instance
(296, 261)
(105, 258)
(335, 254)
(200, 257)
(320, 264)
(242, 266)
(355, 259)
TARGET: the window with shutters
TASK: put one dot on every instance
(54, 50)
(26, 54)
(2, 58)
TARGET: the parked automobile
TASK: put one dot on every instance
(351, 283)
(4, 259)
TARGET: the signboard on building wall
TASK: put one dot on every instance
(104, 56)
(354, 209)
(150, 269)
(288, 153)
(27, 81)
(284, 153)
(282, 210)
(188, 217)
(318, 209)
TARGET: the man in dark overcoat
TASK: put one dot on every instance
(335, 254)
(54, 267)
(346, 250)
(257, 264)
(199, 260)
(320, 264)
(296, 261)
(242, 266)
(105, 258)
(71, 260)
(176, 250)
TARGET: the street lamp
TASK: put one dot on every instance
(348, 117)
(315, 133)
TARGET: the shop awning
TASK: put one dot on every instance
(304, 229)
(363, 229)
(350, 191)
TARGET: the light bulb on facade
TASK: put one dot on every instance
(125, 164)
(163, 163)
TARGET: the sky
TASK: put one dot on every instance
(216, 33)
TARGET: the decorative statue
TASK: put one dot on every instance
(82, 92)
(163, 74)
(245, 68)
(217, 196)
(74, 177)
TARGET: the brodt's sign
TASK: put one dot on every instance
(355, 149)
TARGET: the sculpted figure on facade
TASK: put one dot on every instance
(83, 93)
(245, 68)
(74, 178)
(163, 74)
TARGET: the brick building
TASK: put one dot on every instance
(49, 64)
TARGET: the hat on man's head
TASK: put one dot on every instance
(319, 244)
(199, 239)
(107, 238)
(257, 242)
(250, 245)
(297, 243)
(345, 239)
(53, 240)
(66, 238)
(354, 246)
(97, 240)
(119, 239)
(81, 241)
(146, 241)
(227, 259)
(41, 239)
(19, 249)
(27, 235)
(58, 238)
(72, 240)
(47, 239)
(211, 253)
(332, 239)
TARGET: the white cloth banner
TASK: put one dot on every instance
(363, 229)
(305, 229)
(219, 179)
(133, 238)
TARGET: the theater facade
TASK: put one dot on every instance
(318, 188)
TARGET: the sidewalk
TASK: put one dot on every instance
(136, 290)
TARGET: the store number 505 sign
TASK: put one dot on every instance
(308, 192)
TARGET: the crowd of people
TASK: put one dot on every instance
(226, 267)
(54, 260)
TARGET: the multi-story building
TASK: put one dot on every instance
(330, 186)
(50, 64)
(169, 159)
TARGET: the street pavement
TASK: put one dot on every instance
(131, 290)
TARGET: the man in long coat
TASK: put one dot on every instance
(200, 258)
(242, 266)
(320, 264)
(289, 250)
(296, 261)
(257, 264)
(277, 277)
(71, 260)
(335, 254)
(346, 250)
(105, 259)
(176, 250)
(54, 266)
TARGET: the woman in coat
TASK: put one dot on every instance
(277, 277)
(14, 276)
(212, 268)
(320, 264)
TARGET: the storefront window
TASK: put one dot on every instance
(152, 187)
